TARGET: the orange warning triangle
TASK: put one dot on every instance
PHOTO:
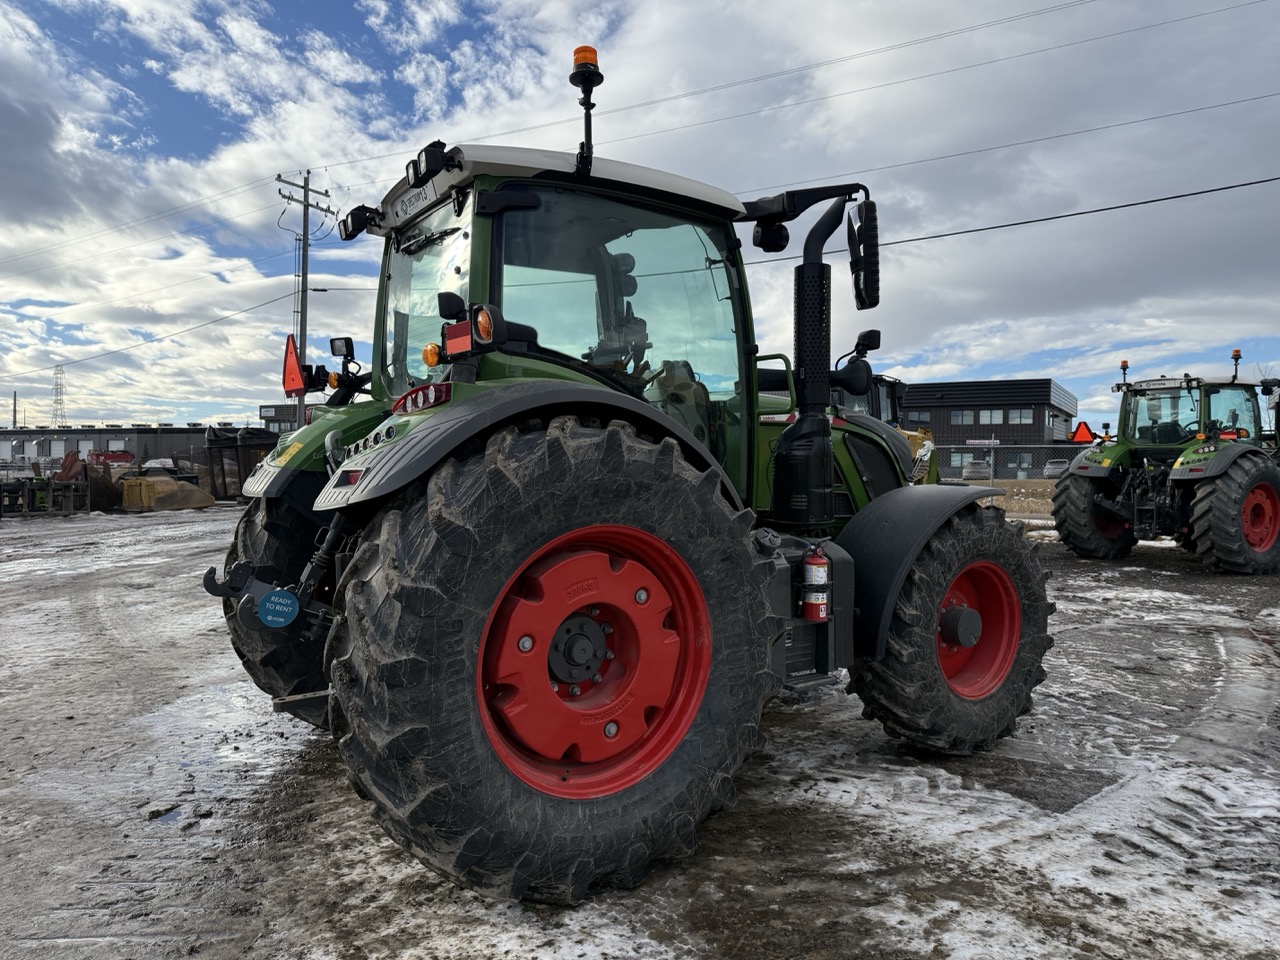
(1081, 434)
(294, 384)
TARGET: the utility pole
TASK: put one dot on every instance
(307, 207)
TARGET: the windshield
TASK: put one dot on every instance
(429, 257)
(643, 297)
(1165, 415)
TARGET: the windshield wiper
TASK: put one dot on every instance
(410, 247)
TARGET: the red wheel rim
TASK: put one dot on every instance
(1258, 517)
(984, 602)
(594, 662)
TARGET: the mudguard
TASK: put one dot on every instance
(1201, 468)
(1097, 461)
(386, 467)
(884, 538)
(302, 451)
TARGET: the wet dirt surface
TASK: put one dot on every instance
(152, 806)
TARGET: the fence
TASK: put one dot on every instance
(1012, 461)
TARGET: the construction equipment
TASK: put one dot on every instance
(1190, 461)
(568, 549)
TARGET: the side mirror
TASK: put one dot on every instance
(342, 347)
(864, 256)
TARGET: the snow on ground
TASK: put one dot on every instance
(151, 805)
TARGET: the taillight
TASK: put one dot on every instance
(420, 398)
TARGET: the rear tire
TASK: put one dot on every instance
(931, 689)
(1086, 529)
(550, 659)
(1235, 517)
(279, 541)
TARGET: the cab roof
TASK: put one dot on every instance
(402, 204)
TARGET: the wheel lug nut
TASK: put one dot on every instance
(610, 729)
(554, 686)
(642, 595)
(609, 654)
(596, 678)
(606, 628)
(525, 644)
(575, 690)
(595, 611)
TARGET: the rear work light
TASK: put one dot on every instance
(420, 398)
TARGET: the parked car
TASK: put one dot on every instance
(976, 470)
(1055, 468)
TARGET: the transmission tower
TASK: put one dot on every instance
(59, 396)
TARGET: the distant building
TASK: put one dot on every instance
(1018, 415)
(49, 444)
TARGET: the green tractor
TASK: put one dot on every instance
(541, 581)
(1189, 461)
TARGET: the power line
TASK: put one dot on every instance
(150, 340)
(129, 246)
(56, 318)
(1083, 213)
(887, 243)
(1034, 220)
(791, 71)
(1005, 146)
(924, 76)
(140, 221)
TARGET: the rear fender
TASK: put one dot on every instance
(1098, 461)
(1226, 455)
(302, 451)
(377, 473)
(884, 539)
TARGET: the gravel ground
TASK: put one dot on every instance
(152, 805)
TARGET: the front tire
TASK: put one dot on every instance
(1235, 517)
(966, 641)
(550, 660)
(279, 541)
(1085, 528)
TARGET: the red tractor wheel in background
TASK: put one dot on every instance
(1235, 517)
(550, 658)
(966, 641)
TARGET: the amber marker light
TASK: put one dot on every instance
(333, 381)
(431, 354)
(484, 326)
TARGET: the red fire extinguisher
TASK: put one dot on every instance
(817, 585)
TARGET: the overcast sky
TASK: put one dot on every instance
(140, 141)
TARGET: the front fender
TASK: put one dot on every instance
(382, 470)
(884, 539)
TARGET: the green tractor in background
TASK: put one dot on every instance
(1190, 461)
(541, 582)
